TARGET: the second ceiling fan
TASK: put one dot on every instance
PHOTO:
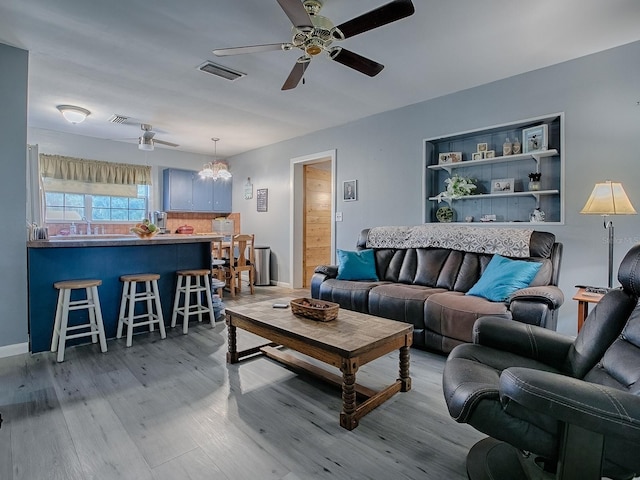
(313, 34)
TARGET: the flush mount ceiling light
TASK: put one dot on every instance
(215, 169)
(73, 114)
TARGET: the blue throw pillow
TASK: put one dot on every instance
(357, 265)
(504, 276)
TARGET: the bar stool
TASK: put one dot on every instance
(186, 286)
(130, 296)
(91, 303)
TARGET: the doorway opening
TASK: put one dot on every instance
(312, 214)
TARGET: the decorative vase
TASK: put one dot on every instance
(537, 216)
(515, 147)
(507, 148)
(534, 185)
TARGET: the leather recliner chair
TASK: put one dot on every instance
(554, 404)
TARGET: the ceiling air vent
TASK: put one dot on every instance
(118, 118)
(220, 71)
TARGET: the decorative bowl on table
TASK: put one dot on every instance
(320, 310)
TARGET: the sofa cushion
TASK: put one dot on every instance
(544, 275)
(404, 303)
(452, 314)
(502, 277)
(349, 294)
(358, 265)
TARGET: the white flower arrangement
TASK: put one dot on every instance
(457, 187)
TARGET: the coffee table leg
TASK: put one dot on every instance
(348, 419)
(232, 353)
(404, 369)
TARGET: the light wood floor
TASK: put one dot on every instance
(173, 409)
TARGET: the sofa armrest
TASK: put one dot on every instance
(320, 274)
(536, 305)
(529, 341)
(605, 410)
(330, 271)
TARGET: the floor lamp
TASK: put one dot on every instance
(608, 198)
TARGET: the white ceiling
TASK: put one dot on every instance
(138, 58)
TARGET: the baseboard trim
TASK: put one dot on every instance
(15, 349)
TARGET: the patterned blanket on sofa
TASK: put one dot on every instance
(509, 242)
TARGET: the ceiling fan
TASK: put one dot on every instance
(313, 34)
(146, 140)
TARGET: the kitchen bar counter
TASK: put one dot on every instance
(106, 257)
(108, 240)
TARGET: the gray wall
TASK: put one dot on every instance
(13, 194)
(598, 95)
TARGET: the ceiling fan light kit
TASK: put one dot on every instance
(146, 141)
(313, 34)
(73, 114)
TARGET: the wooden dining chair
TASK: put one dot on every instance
(241, 259)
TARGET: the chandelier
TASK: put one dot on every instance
(215, 169)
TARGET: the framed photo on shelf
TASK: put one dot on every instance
(482, 147)
(350, 190)
(449, 157)
(535, 139)
(490, 154)
(502, 185)
(477, 155)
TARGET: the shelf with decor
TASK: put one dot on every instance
(481, 196)
(516, 170)
(537, 156)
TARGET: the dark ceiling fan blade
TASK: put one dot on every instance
(378, 17)
(297, 72)
(355, 61)
(296, 13)
(223, 52)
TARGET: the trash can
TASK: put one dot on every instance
(263, 267)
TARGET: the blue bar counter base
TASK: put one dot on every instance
(52, 261)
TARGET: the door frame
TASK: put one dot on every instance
(296, 214)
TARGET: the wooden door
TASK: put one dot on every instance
(316, 244)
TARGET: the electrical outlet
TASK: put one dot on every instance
(338, 216)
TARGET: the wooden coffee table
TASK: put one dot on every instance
(351, 340)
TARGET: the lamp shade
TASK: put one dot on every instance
(608, 198)
(73, 114)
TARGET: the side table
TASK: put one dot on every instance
(584, 298)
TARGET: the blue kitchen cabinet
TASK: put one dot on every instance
(185, 191)
(177, 190)
(222, 195)
(202, 194)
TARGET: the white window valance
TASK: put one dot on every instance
(93, 171)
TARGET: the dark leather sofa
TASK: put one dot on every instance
(426, 287)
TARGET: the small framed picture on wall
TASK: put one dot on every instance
(350, 190)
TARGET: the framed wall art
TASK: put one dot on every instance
(248, 190)
(350, 190)
(535, 139)
(262, 199)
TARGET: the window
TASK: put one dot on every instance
(78, 189)
(70, 206)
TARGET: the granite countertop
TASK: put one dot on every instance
(120, 240)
